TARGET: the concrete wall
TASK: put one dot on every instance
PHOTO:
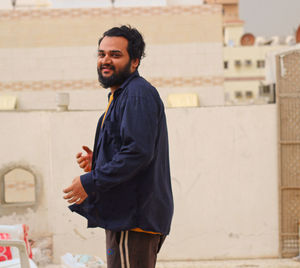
(224, 175)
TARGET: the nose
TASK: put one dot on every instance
(104, 60)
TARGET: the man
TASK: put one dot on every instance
(127, 187)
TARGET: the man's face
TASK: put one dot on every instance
(114, 65)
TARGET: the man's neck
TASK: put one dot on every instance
(113, 89)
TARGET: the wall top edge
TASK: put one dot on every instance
(288, 52)
(99, 12)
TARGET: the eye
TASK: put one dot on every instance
(101, 55)
(116, 55)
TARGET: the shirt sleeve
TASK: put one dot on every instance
(138, 131)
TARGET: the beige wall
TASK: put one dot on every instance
(224, 175)
(233, 34)
(55, 50)
(72, 63)
(73, 31)
(173, 68)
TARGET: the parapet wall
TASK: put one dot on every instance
(224, 176)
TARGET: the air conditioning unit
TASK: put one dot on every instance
(268, 91)
(259, 41)
(238, 63)
(290, 40)
(275, 40)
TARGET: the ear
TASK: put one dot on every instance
(134, 64)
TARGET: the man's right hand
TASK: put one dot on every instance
(85, 161)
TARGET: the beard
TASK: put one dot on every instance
(117, 78)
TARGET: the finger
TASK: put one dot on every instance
(81, 194)
(78, 202)
(81, 200)
(69, 189)
(87, 149)
(83, 164)
(79, 160)
(87, 168)
(83, 158)
(69, 195)
(74, 199)
(78, 154)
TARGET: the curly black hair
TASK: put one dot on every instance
(136, 44)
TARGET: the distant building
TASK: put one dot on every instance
(244, 58)
(230, 8)
(244, 74)
(233, 26)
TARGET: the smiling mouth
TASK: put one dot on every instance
(107, 68)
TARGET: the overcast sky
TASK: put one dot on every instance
(270, 17)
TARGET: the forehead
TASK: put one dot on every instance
(113, 43)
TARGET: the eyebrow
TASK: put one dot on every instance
(114, 51)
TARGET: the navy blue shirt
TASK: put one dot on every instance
(129, 185)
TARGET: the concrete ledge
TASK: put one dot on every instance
(258, 263)
(261, 263)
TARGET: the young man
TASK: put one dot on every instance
(127, 188)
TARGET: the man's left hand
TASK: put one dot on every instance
(75, 193)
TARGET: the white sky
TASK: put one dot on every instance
(270, 17)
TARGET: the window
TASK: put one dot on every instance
(249, 94)
(237, 63)
(18, 187)
(238, 95)
(248, 63)
(260, 64)
(226, 65)
(266, 90)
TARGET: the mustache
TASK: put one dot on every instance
(107, 66)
